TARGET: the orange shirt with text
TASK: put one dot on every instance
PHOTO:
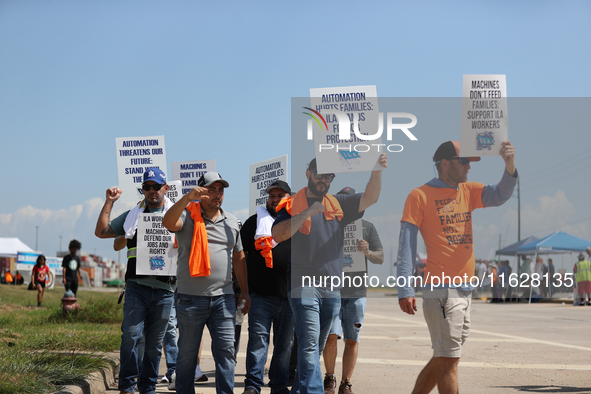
(444, 217)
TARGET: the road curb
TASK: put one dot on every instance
(96, 382)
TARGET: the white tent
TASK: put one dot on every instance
(10, 246)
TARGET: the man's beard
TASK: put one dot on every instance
(313, 188)
(271, 210)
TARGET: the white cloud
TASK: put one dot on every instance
(241, 214)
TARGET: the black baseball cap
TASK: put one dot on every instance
(448, 150)
(279, 184)
(347, 190)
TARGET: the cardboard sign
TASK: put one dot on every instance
(360, 105)
(354, 260)
(156, 254)
(485, 120)
(189, 172)
(174, 191)
(134, 156)
(261, 175)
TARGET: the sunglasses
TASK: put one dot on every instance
(327, 177)
(155, 186)
(463, 160)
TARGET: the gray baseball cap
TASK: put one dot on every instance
(210, 177)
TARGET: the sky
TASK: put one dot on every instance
(217, 80)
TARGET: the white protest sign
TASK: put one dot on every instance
(485, 120)
(156, 254)
(360, 105)
(188, 172)
(174, 191)
(354, 260)
(134, 156)
(261, 175)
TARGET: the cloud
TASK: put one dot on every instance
(241, 214)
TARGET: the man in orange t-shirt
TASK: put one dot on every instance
(442, 211)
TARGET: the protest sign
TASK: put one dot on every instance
(134, 156)
(188, 172)
(156, 254)
(174, 191)
(485, 120)
(261, 175)
(354, 260)
(360, 105)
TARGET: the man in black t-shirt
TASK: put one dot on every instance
(71, 267)
(267, 283)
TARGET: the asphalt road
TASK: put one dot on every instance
(512, 348)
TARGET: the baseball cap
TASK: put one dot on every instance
(279, 184)
(347, 190)
(154, 174)
(581, 256)
(312, 165)
(210, 177)
(448, 150)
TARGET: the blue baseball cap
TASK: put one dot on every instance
(154, 174)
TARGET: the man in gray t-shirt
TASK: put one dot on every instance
(209, 246)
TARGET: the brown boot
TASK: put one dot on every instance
(345, 387)
(330, 383)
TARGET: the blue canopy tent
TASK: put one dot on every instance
(558, 242)
(511, 250)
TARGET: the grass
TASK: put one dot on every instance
(41, 350)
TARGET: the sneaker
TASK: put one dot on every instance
(200, 376)
(250, 390)
(345, 387)
(165, 379)
(330, 382)
(172, 384)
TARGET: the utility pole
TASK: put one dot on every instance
(518, 212)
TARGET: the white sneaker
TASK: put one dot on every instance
(164, 379)
(172, 384)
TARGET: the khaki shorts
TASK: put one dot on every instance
(447, 312)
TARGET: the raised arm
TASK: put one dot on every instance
(103, 229)
(374, 186)
(496, 195)
(285, 229)
(171, 219)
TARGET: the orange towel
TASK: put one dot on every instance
(299, 203)
(199, 264)
(265, 245)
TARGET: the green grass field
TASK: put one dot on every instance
(41, 350)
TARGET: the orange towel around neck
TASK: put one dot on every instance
(299, 203)
(199, 263)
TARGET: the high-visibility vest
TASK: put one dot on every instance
(583, 271)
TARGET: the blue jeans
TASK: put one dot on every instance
(314, 310)
(219, 314)
(145, 311)
(265, 310)
(171, 349)
(352, 313)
